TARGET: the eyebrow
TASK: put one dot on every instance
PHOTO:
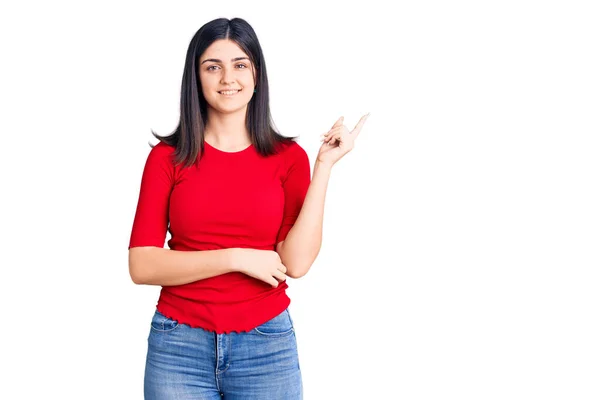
(217, 60)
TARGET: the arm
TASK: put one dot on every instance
(149, 262)
(300, 249)
(149, 265)
(303, 242)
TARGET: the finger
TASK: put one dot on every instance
(280, 276)
(339, 122)
(282, 268)
(327, 139)
(360, 124)
(331, 132)
(332, 139)
(324, 136)
(273, 282)
(327, 136)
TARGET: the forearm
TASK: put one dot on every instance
(303, 242)
(164, 267)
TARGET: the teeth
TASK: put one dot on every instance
(229, 92)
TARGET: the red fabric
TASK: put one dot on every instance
(226, 200)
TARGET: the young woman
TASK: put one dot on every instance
(243, 213)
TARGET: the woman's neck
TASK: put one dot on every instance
(227, 131)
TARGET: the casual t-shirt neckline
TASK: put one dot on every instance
(228, 152)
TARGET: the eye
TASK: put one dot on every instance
(242, 65)
(211, 68)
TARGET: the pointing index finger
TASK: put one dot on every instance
(360, 124)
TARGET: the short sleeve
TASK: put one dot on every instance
(295, 186)
(152, 212)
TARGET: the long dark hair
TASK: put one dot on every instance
(188, 137)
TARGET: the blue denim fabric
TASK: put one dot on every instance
(193, 363)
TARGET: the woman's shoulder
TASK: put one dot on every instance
(161, 154)
(293, 153)
(161, 150)
(290, 147)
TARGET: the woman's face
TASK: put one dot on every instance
(226, 76)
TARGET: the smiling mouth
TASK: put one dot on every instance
(229, 92)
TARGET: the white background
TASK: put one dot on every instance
(460, 255)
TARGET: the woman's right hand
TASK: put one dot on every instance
(264, 265)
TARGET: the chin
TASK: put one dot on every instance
(231, 108)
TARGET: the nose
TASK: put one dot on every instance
(227, 76)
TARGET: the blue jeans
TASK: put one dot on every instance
(193, 363)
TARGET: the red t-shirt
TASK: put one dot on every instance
(225, 200)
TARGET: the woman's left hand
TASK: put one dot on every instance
(339, 141)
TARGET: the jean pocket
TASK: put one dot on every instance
(161, 323)
(281, 325)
